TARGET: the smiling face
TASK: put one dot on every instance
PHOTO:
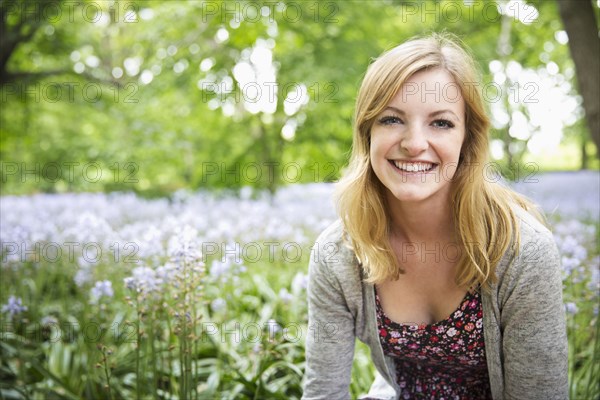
(416, 140)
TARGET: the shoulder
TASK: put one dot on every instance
(333, 247)
(334, 233)
(530, 228)
(537, 253)
(536, 240)
(333, 255)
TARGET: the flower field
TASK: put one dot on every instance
(202, 295)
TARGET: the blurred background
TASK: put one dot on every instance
(157, 96)
(166, 167)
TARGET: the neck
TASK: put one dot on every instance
(422, 221)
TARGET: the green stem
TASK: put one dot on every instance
(153, 358)
(195, 350)
(107, 373)
(170, 359)
(593, 380)
(571, 334)
(137, 350)
(182, 359)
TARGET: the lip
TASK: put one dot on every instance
(412, 161)
(401, 171)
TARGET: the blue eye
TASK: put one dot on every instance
(389, 120)
(443, 124)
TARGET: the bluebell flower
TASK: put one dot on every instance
(220, 268)
(594, 284)
(257, 348)
(101, 289)
(300, 282)
(83, 276)
(226, 267)
(218, 304)
(571, 308)
(184, 246)
(570, 246)
(14, 306)
(569, 264)
(272, 328)
(285, 296)
(143, 279)
(167, 272)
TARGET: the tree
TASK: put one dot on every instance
(580, 24)
(167, 82)
(23, 22)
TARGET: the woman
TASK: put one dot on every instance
(450, 279)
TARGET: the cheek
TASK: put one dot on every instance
(455, 148)
(449, 171)
(377, 151)
(375, 146)
(452, 156)
(379, 144)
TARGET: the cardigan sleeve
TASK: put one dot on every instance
(331, 338)
(534, 344)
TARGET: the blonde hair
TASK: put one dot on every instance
(486, 226)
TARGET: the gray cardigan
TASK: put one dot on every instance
(523, 318)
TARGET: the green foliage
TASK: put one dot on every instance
(141, 347)
(172, 344)
(121, 96)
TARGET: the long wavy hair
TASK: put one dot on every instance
(485, 222)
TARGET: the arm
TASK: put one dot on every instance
(533, 321)
(330, 339)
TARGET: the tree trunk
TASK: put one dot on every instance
(579, 20)
(584, 154)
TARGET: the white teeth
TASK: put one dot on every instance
(413, 167)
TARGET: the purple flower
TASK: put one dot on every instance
(226, 267)
(273, 327)
(218, 304)
(184, 246)
(300, 282)
(285, 296)
(144, 279)
(594, 283)
(219, 268)
(101, 289)
(167, 272)
(14, 306)
(571, 308)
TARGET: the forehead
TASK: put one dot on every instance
(429, 89)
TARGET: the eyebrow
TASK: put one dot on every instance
(433, 114)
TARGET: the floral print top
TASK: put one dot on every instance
(444, 360)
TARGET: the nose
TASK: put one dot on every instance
(413, 141)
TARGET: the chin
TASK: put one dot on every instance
(408, 197)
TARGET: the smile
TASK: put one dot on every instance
(416, 167)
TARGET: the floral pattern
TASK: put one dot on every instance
(444, 360)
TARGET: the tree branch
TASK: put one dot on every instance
(29, 78)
